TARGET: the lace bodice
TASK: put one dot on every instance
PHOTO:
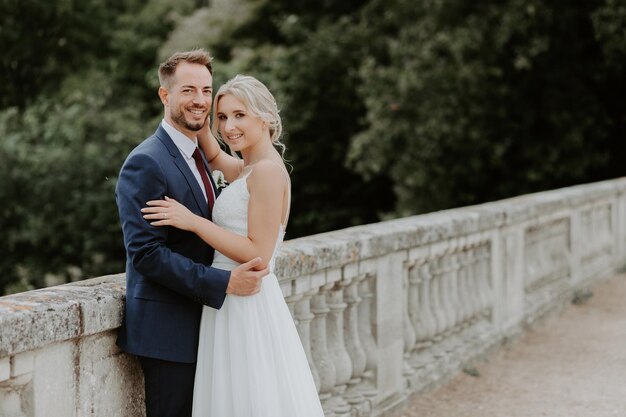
(230, 212)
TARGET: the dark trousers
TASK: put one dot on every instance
(169, 387)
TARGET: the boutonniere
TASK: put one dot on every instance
(218, 177)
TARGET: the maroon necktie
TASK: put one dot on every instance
(208, 188)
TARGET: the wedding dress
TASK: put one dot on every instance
(251, 362)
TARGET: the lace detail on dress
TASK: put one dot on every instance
(230, 212)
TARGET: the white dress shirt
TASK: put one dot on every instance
(186, 147)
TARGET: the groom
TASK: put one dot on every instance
(168, 277)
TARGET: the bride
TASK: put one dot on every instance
(251, 362)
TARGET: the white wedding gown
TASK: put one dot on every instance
(251, 362)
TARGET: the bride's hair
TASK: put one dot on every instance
(258, 101)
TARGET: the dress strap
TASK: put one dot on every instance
(247, 174)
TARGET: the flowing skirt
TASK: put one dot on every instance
(251, 362)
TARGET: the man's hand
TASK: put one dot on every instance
(244, 280)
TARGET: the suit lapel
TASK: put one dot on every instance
(182, 166)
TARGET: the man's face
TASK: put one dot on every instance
(188, 99)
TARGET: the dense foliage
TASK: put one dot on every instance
(78, 109)
(390, 107)
(491, 101)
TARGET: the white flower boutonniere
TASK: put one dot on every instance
(218, 177)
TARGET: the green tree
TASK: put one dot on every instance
(62, 155)
(44, 41)
(478, 101)
(66, 135)
(609, 23)
(390, 107)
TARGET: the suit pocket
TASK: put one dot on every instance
(158, 293)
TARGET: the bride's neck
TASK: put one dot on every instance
(262, 150)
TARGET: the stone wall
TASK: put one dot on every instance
(383, 310)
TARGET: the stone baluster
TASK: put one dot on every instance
(291, 305)
(408, 328)
(337, 348)
(461, 258)
(354, 347)
(480, 278)
(304, 317)
(449, 344)
(485, 285)
(365, 320)
(474, 290)
(427, 315)
(455, 297)
(435, 299)
(457, 265)
(413, 297)
(319, 351)
(464, 290)
(446, 292)
(419, 312)
(454, 341)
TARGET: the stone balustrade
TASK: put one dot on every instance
(383, 310)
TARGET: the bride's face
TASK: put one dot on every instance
(239, 128)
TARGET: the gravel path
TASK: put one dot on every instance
(571, 365)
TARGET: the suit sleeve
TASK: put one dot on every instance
(141, 179)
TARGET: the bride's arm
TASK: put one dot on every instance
(266, 185)
(217, 158)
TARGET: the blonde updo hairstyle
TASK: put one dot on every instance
(258, 101)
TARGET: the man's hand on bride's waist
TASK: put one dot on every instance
(245, 280)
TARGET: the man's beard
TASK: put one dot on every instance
(179, 118)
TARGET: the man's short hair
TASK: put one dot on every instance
(195, 56)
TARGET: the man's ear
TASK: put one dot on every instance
(163, 95)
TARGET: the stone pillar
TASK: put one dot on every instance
(427, 314)
(413, 297)
(365, 321)
(319, 351)
(408, 328)
(337, 348)
(485, 286)
(388, 323)
(446, 292)
(473, 281)
(304, 317)
(461, 279)
(435, 298)
(353, 341)
(455, 298)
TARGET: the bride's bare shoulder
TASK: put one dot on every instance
(268, 172)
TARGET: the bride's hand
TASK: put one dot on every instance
(169, 212)
(207, 142)
(204, 135)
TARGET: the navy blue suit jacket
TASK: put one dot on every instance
(168, 277)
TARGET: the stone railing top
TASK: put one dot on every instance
(334, 249)
(36, 318)
(33, 319)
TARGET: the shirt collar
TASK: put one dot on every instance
(182, 142)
